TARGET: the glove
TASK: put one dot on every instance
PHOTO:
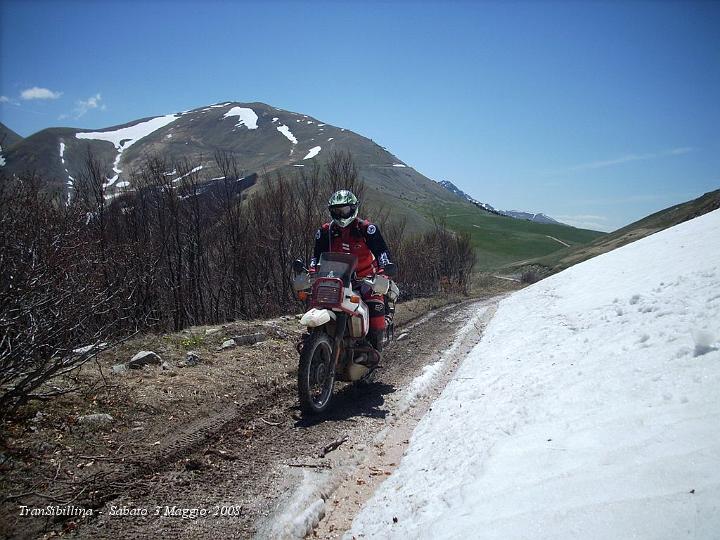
(389, 269)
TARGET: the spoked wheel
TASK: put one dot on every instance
(316, 374)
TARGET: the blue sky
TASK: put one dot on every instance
(596, 113)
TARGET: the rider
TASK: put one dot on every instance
(347, 234)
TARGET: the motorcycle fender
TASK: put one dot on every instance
(317, 317)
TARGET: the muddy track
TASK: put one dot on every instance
(243, 466)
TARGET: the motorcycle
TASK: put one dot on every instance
(335, 346)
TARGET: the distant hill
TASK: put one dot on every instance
(528, 216)
(500, 240)
(651, 224)
(265, 139)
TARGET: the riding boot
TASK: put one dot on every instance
(375, 338)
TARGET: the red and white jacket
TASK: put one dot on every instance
(361, 238)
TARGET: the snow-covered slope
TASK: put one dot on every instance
(590, 409)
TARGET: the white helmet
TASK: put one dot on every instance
(343, 206)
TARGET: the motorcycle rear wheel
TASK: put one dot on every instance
(316, 374)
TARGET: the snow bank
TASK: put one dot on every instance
(590, 409)
(314, 151)
(246, 117)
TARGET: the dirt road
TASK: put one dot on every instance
(262, 470)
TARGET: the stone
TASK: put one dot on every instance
(191, 359)
(144, 358)
(249, 339)
(209, 331)
(118, 368)
(228, 344)
(95, 347)
(166, 365)
(96, 419)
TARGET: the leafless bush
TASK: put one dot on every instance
(56, 295)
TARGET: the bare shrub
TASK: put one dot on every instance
(177, 249)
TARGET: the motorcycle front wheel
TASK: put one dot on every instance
(316, 374)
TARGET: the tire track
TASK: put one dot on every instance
(262, 469)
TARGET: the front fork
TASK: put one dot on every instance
(340, 327)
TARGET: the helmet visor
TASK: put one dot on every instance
(342, 212)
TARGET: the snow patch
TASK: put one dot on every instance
(124, 138)
(62, 152)
(286, 131)
(194, 170)
(314, 151)
(246, 117)
(399, 165)
(330, 139)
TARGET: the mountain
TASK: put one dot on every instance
(651, 224)
(262, 138)
(538, 218)
(7, 138)
(452, 188)
(265, 139)
(528, 216)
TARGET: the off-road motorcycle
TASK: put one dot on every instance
(335, 345)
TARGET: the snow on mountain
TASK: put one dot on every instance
(246, 117)
(460, 193)
(125, 137)
(529, 216)
(538, 217)
(590, 409)
(286, 131)
(314, 151)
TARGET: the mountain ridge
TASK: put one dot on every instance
(262, 138)
(537, 217)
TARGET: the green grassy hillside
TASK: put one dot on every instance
(500, 240)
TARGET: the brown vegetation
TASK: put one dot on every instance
(176, 250)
